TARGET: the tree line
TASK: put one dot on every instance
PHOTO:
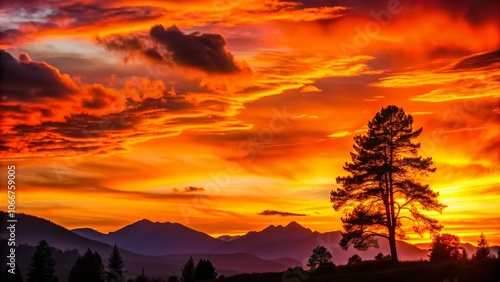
(89, 267)
(443, 247)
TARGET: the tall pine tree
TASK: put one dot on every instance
(383, 186)
(42, 266)
(188, 271)
(116, 266)
(483, 248)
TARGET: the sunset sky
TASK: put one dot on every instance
(228, 116)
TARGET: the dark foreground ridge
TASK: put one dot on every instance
(487, 270)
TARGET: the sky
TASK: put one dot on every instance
(229, 116)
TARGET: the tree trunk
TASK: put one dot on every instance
(392, 245)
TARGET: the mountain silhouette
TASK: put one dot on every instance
(31, 229)
(155, 238)
(227, 238)
(293, 241)
(164, 247)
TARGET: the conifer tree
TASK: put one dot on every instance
(87, 268)
(42, 266)
(483, 248)
(383, 187)
(116, 266)
(188, 271)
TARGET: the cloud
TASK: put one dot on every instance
(478, 61)
(201, 51)
(44, 113)
(70, 18)
(475, 76)
(339, 134)
(189, 189)
(24, 80)
(310, 88)
(280, 213)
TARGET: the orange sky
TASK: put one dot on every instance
(110, 118)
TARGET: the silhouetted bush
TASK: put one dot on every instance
(354, 259)
(173, 279)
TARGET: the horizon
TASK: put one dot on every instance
(231, 116)
(216, 236)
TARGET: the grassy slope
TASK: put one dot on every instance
(422, 271)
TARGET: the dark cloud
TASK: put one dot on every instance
(189, 189)
(280, 213)
(98, 99)
(67, 15)
(86, 13)
(475, 12)
(26, 81)
(202, 51)
(479, 61)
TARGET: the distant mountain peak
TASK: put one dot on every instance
(294, 224)
(145, 220)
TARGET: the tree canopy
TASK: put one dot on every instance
(204, 270)
(383, 189)
(354, 259)
(320, 258)
(446, 246)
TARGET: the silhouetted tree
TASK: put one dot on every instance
(204, 270)
(382, 186)
(188, 271)
(444, 247)
(88, 267)
(42, 266)
(116, 266)
(354, 259)
(320, 257)
(483, 248)
(16, 277)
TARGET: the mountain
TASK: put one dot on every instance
(227, 238)
(31, 229)
(253, 239)
(155, 238)
(90, 234)
(293, 242)
(297, 242)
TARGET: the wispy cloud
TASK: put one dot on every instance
(280, 213)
